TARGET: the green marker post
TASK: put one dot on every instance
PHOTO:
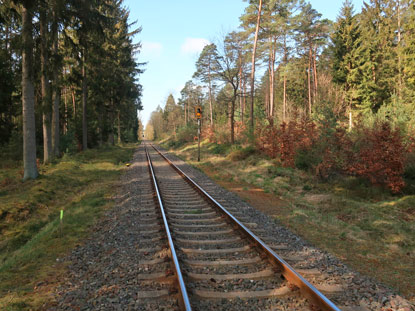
(61, 219)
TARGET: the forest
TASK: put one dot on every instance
(69, 78)
(335, 98)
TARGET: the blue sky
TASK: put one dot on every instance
(175, 31)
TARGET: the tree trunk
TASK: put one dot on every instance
(101, 127)
(65, 122)
(309, 81)
(284, 100)
(185, 113)
(266, 91)
(55, 87)
(272, 78)
(315, 80)
(73, 103)
(84, 99)
(210, 98)
(45, 89)
(28, 98)
(232, 119)
(111, 137)
(119, 127)
(251, 124)
(399, 51)
(188, 108)
(243, 98)
(55, 123)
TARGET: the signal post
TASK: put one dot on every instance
(198, 115)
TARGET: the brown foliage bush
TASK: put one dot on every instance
(209, 133)
(285, 141)
(240, 130)
(377, 154)
(380, 157)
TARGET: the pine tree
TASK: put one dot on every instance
(409, 55)
(205, 71)
(257, 5)
(311, 34)
(28, 93)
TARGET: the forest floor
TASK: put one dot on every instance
(366, 227)
(32, 236)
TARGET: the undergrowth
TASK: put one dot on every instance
(366, 226)
(32, 236)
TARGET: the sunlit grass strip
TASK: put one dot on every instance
(365, 226)
(86, 189)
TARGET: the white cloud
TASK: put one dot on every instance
(151, 49)
(194, 45)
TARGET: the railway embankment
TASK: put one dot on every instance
(33, 237)
(366, 227)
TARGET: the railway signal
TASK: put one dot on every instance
(198, 112)
(198, 115)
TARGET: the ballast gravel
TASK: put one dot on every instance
(359, 292)
(104, 274)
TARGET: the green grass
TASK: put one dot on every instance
(32, 237)
(365, 226)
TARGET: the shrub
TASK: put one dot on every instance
(209, 133)
(13, 150)
(223, 135)
(241, 153)
(186, 133)
(410, 166)
(241, 132)
(220, 148)
(380, 157)
(287, 140)
(69, 143)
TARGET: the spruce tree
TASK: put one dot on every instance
(345, 42)
(377, 54)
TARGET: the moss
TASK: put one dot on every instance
(32, 236)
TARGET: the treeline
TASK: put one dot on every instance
(287, 65)
(71, 66)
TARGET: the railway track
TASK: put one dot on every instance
(197, 255)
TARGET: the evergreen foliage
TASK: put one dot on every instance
(320, 81)
(85, 73)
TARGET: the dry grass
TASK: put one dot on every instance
(369, 229)
(32, 236)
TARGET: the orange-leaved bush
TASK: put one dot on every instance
(286, 140)
(381, 156)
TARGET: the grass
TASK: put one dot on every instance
(32, 237)
(365, 226)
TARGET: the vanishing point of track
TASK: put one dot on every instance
(214, 258)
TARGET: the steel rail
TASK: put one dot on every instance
(184, 298)
(307, 289)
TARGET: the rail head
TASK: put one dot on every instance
(287, 271)
(184, 297)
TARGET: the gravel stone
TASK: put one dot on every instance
(105, 272)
